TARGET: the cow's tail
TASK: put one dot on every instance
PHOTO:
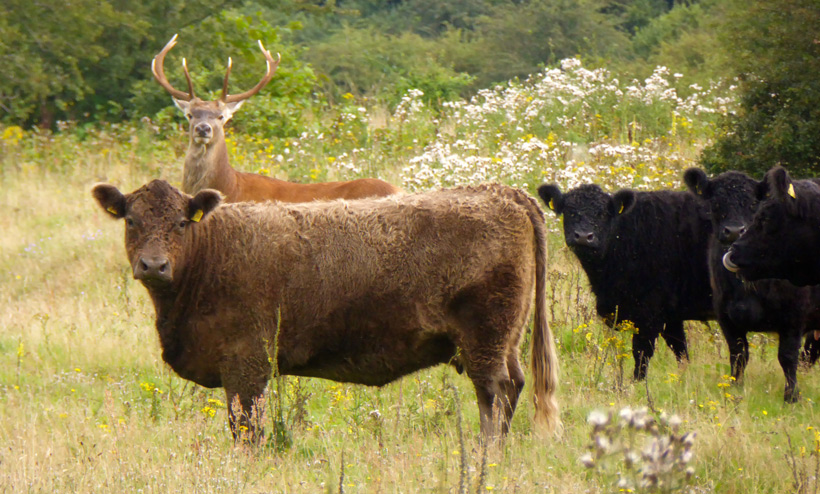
(544, 356)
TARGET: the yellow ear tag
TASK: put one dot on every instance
(112, 210)
(197, 216)
(622, 209)
(551, 205)
(791, 191)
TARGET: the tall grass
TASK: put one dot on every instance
(88, 405)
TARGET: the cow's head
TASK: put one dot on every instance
(732, 199)
(783, 239)
(157, 219)
(588, 214)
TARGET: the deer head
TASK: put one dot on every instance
(206, 119)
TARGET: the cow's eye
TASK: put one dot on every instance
(183, 223)
(129, 222)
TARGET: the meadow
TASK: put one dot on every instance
(89, 406)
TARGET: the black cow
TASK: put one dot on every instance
(775, 306)
(783, 240)
(645, 256)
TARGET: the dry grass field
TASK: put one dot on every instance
(89, 406)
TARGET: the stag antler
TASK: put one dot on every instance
(271, 69)
(159, 73)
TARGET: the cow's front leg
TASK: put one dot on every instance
(244, 379)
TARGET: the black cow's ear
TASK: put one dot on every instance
(763, 188)
(782, 187)
(552, 197)
(622, 201)
(697, 182)
(110, 199)
(202, 204)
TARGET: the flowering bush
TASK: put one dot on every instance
(571, 126)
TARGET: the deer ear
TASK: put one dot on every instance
(230, 109)
(202, 204)
(184, 106)
(552, 197)
(110, 199)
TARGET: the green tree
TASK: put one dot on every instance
(43, 49)
(774, 47)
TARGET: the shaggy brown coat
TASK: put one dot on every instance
(363, 292)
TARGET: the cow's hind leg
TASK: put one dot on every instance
(497, 393)
(643, 348)
(487, 319)
(738, 347)
(787, 355)
(675, 339)
(811, 349)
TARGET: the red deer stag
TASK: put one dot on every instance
(207, 165)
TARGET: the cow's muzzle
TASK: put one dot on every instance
(153, 270)
(731, 233)
(584, 238)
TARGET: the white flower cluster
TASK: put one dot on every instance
(559, 126)
(659, 463)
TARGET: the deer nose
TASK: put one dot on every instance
(202, 130)
(584, 238)
(153, 269)
(732, 233)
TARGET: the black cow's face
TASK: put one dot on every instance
(783, 240)
(732, 199)
(588, 214)
(157, 218)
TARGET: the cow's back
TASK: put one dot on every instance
(657, 259)
(363, 278)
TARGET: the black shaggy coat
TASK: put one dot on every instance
(766, 305)
(645, 256)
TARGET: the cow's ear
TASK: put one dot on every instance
(782, 188)
(552, 197)
(202, 204)
(622, 201)
(697, 182)
(110, 199)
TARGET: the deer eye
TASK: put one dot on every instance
(221, 117)
(189, 116)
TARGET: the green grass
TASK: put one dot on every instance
(89, 406)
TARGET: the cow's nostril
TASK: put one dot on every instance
(163, 267)
(590, 237)
(143, 266)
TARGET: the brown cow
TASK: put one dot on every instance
(364, 291)
(207, 165)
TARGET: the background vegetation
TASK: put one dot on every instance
(423, 94)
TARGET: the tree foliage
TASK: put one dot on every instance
(89, 61)
(774, 47)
